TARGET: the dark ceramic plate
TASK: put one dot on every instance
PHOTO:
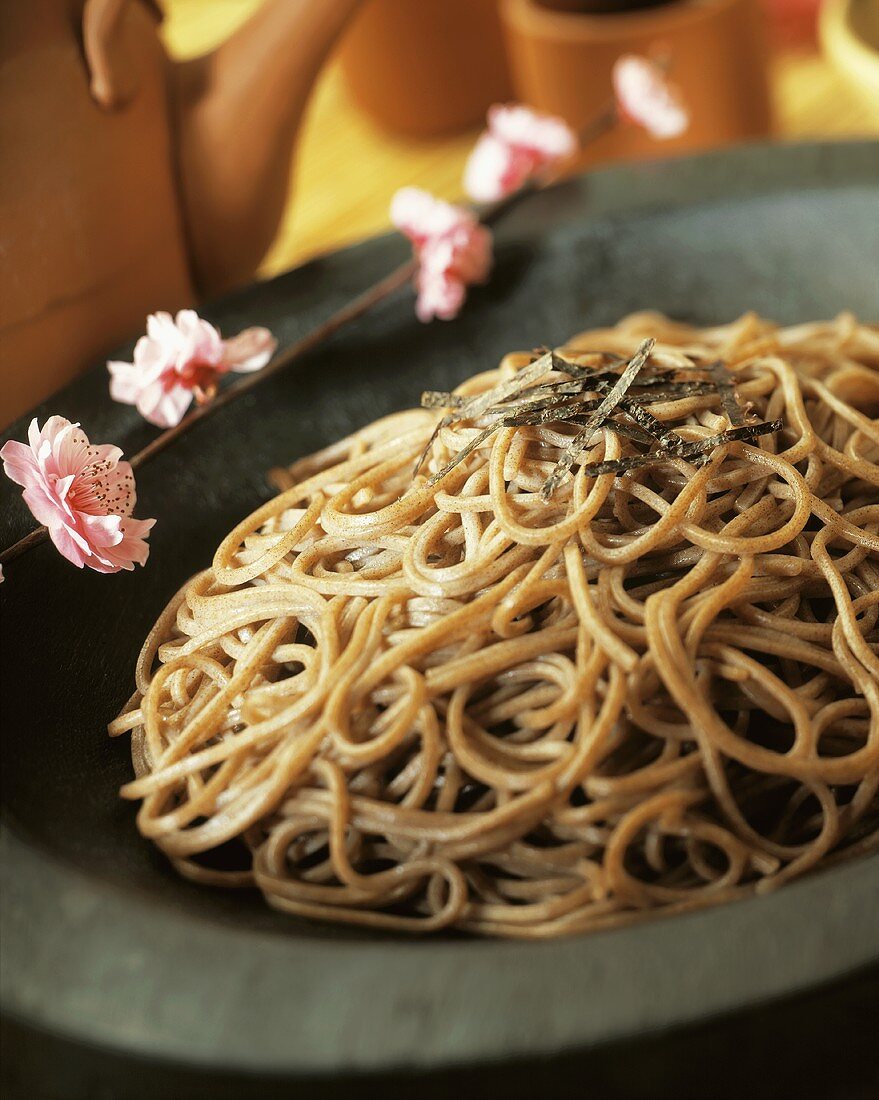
(105, 947)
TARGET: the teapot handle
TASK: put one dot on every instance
(112, 79)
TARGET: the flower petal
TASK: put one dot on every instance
(126, 382)
(199, 339)
(71, 451)
(420, 215)
(99, 532)
(19, 463)
(153, 357)
(439, 295)
(161, 328)
(44, 507)
(250, 350)
(162, 407)
(67, 546)
(520, 127)
(517, 143)
(645, 97)
(34, 435)
(487, 168)
(53, 427)
(131, 550)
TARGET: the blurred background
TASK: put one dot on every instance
(140, 185)
(353, 153)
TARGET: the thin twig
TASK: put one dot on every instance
(33, 539)
(361, 305)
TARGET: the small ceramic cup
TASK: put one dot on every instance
(425, 67)
(561, 63)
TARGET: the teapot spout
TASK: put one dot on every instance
(237, 111)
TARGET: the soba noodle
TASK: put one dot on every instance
(478, 704)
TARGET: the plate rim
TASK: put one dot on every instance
(440, 993)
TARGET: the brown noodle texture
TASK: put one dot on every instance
(415, 706)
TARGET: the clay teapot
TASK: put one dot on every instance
(129, 182)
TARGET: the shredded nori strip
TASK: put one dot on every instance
(436, 399)
(646, 420)
(628, 431)
(501, 392)
(593, 399)
(656, 388)
(607, 406)
(674, 391)
(552, 410)
(700, 448)
(728, 399)
(475, 442)
(476, 406)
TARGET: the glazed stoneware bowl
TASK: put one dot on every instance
(121, 979)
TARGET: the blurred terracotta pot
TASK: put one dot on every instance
(561, 63)
(421, 67)
(593, 6)
(794, 22)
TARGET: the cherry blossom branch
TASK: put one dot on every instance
(40, 534)
(607, 118)
(359, 306)
(355, 309)
(352, 311)
(647, 89)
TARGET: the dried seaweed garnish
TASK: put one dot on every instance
(594, 398)
(561, 364)
(476, 406)
(728, 399)
(582, 438)
(697, 448)
(646, 420)
(648, 390)
(549, 411)
(672, 391)
(475, 442)
(436, 399)
(627, 431)
(506, 389)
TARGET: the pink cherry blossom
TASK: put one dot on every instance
(181, 358)
(453, 250)
(82, 492)
(517, 143)
(645, 97)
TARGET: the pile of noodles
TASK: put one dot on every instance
(418, 706)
